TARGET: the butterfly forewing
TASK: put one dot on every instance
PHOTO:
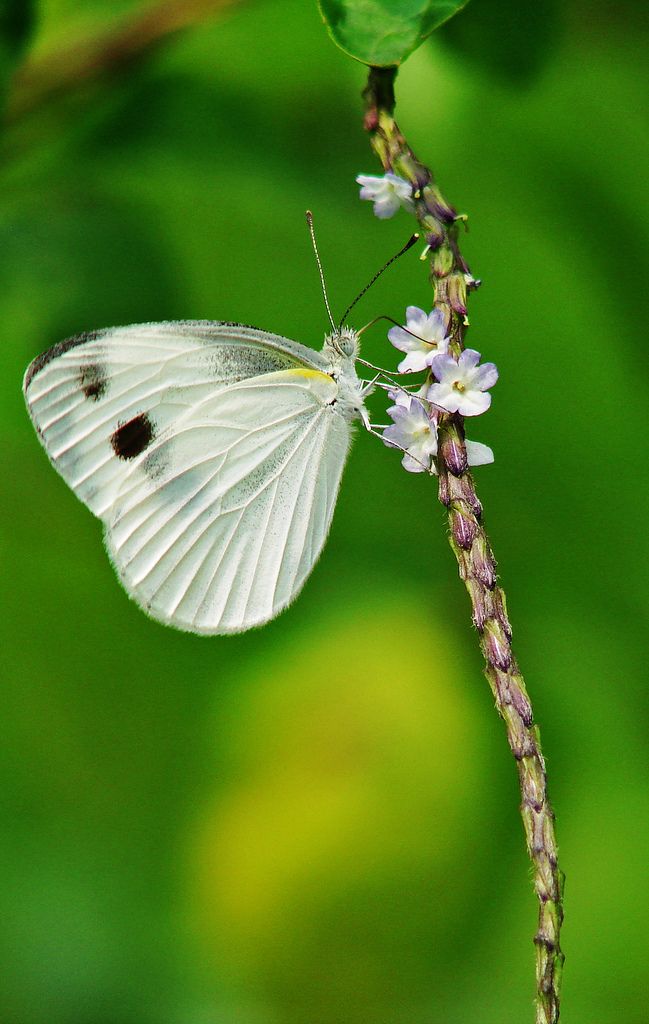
(225, 533)
(98, 400)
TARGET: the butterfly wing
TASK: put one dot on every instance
(99, 400)
(216, 527)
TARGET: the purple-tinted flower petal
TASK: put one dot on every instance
(391, 437)
(386, 207)
(413, 465)
(468, 359)
(401, 339)
(478, 454)
(486, 376)
(414, 432)
(400, 398)
(443, 365)
(404, 398)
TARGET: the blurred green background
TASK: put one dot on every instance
(316, 823)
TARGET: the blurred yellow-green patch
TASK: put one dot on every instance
(317, 823)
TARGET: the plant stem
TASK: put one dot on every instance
(451, 280)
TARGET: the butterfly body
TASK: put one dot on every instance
(212, 452)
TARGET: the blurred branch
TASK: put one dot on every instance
(101, 55)
(451, 280)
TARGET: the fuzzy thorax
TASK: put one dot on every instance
(342, 349)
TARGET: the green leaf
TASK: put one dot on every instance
(17, 19)
(384, 32)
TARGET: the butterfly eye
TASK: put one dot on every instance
(345, 343)
(348, 346)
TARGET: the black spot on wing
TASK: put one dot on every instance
(94, 381)
(57, 350)
(131, 438)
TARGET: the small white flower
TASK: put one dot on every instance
(387, 193)
(462, 384)
(431, 338)
(413, 430)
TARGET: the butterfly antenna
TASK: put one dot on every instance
(309, 220)
(411, 241)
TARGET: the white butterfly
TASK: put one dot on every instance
(212, 453)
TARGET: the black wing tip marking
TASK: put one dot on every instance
(93, 379)
(215, 323)
(179, 323)
(41, 361)
(131, 438)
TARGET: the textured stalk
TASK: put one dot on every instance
(451, 279)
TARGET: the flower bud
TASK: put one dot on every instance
(443, 262)
(371, 120)
(434, 234)
(422, 176)
(453, 453)
(464, 529)
(467, 493)
(439, 207)
(457, 293)
(484, 566)
(479, 602)
(496, 646)
(521, 702)
(500, 611)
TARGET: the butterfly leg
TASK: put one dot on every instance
(369, 385)
(372, 429)
(392, 385)
(382, 372)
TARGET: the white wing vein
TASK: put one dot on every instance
(186, 526)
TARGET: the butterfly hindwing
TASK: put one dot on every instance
(216, 527)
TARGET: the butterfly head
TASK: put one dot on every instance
(343, 342)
